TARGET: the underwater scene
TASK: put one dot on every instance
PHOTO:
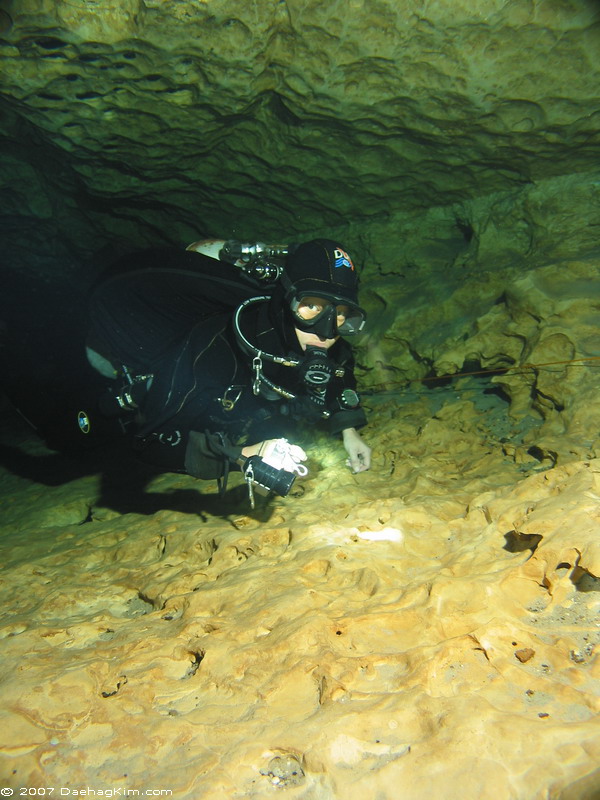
(300, 428)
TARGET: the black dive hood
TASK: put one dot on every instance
(323, 269)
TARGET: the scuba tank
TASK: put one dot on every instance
(263, 262)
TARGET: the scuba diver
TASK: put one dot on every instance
(216, 352)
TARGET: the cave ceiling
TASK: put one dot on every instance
(143, 122)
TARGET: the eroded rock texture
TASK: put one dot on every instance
(133, 122)
(425, 629)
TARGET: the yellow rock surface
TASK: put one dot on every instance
(428, 628)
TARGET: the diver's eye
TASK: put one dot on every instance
(309, 308)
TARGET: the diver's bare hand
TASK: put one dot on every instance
(359, 452)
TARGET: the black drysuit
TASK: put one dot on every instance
(169, 313)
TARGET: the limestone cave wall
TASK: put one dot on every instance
(427, 628)
(425, 133)
(452, 146)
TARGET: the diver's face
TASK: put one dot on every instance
(313, 340)
(322, 319)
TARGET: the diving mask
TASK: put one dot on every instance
(327, 317)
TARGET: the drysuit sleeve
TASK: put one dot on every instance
(208, 455)
(341, 417)
(347, 418)
(201, 454)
